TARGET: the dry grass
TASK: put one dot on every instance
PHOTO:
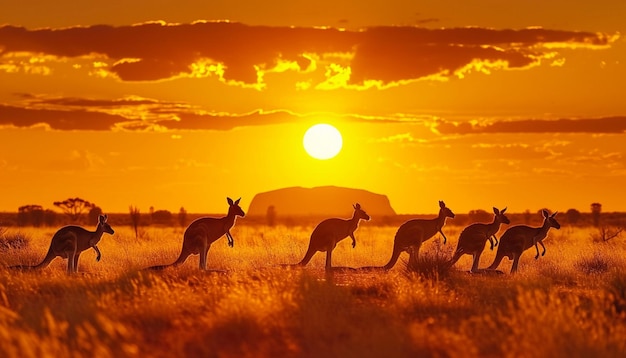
(571, 302)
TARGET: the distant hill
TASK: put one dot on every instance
(329, 201)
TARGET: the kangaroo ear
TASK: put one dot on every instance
(357, 206)
(442, 204)
(102, 219)
(496, 211)
(230, 201)
(545, 213)
(237, 201)
(553, 215)
(503, 210)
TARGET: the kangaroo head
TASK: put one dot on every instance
(445, 211)
(359, 212)
(102, 223)
(234, 207)
(550, 219)
(500, 217)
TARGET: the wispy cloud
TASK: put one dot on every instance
(134, 113)
(143, 114)
(584, 125)
(241, 54)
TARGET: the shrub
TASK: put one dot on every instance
(16, 241)
(431, 264)
(597, 263)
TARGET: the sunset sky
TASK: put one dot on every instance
(181, 103)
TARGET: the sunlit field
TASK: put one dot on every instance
(569, 303)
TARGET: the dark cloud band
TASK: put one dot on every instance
(153, 51)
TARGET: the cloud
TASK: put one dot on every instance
(586, 125)
(134, 113)
(57, 119)
(86, 102)
(240, 54)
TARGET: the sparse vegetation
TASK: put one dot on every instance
(605, 233)
(433, 264)
(12, 241)
(571, 302)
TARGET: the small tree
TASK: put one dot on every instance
(135, 217)
(479, 215)
(270, 215)
(606, 233)
(50, 217)
(572, 216)
(94, 214)
(527, 217)
(30, 215)
(182, 217)
(596, 209)
(162, 217)
(74, 208)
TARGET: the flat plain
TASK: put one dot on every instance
(570, 302)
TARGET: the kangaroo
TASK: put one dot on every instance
(329, 232)
(202, 232)
(69, 241)
(413, 233)
(473, 238)
(520, 238)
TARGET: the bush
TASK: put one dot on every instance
(597, 263)
(431, 264)
(12, 242)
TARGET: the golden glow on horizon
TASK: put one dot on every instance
(322, 141)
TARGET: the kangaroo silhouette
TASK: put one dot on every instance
(520, 238)
(202, 232)
(329, 232)
(69, 241)
(474, 237)
(413, 233)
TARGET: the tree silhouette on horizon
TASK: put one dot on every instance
(596, 209)
(74, 208)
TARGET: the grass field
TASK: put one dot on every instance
(569, 303)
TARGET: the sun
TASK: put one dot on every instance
(322, 141)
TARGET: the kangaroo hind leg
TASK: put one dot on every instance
(204, 253)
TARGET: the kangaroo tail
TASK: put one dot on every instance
(496, 261)
(457, 255)
(43, 264)
(158, 267)
(371, 268)
(307, 257)
(181, 258)
(394, 258)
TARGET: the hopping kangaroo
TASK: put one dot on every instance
(202, 232)
(474, 237)
(69, 241)
(520, 238)
(413, 233)
(329, 232)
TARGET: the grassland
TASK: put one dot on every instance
(570, 303)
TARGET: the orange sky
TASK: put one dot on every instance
(182, 103)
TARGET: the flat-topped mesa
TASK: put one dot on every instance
(322, 201)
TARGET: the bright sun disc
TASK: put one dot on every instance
(322, 141)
